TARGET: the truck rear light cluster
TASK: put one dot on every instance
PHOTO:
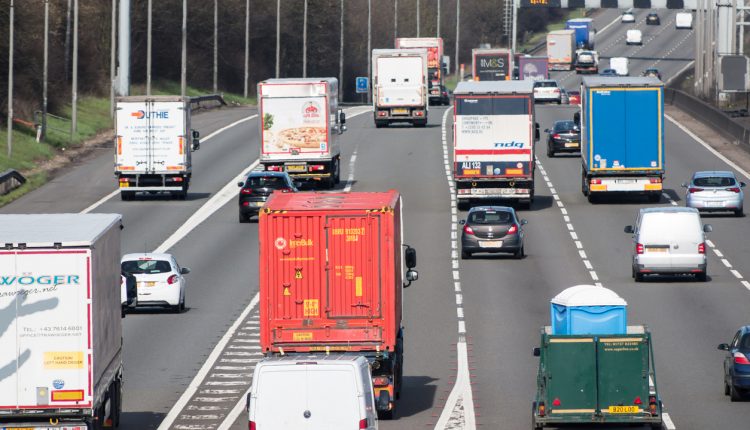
(655, 180)
(468, 230)
(273, 168)
(381, 381)
(362, 423)
(464, 191)
(382, 113)
(637, 401)
(652, 405)
(556, 402)
(316, 167)
(702, 248)
(740, 358)
(542, 409)
(418, 113)
(639, 248)
(596, 182)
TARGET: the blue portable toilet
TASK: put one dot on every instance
(588, 309)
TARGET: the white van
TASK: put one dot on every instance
(312, 393)
(684, 20)
(633, 37)
(620, 65)
(669, 241)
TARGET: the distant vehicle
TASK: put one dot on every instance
(128, 291)
(608, 72)
(715, 191)
(585, 32)
(561, 47)
(492, 229)
(256, 188)
(620, 64)
(312, 392)
(633, 37)
(737, 365)
(445, 96)
(492, 64)
(574, 97)
(400, 92)
(627, 17)
(564, 136)
(653, 19)
(683, 20)
(653, 73)
(160, 280)
(436, 69)
(547, 90)
(669, 240)
(587, 61)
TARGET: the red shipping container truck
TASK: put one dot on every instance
(332, 269)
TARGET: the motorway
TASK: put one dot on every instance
(503, 302)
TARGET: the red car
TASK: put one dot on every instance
(574, 97)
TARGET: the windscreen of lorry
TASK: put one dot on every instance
(491, 106)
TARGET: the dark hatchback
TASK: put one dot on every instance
(256, 188)
(737, 364)
(565, 136)
(653, 19)
(492, 229)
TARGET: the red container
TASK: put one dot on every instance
(330, 272)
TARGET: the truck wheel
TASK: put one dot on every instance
(127, 195)
(420, 123)
(701, 277)
(381, 124)
(584, 185)
(654, 198)
(244, 218)
(115, 407)
(337, 174)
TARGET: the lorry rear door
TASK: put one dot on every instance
(151, 137)
(354, 285)
(623, 375)
(400, 81)
(644, 130)
(571, 375)
(281, 395)
(333, 397)
(608, 112)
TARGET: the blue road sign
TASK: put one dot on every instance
(362, 85)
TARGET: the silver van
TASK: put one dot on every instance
(669, 241)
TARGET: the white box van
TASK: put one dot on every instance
(684, 20)
(312, 393)
(669, 241)
(620, 64)
(633, 37)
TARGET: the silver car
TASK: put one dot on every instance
(715, 191)
(492, 229)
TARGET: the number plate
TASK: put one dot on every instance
(507, 191)
(490, 244)
(259, 203)
(400, 111)
(571, 145)
(624, 409)
(662, 250)
(296, 168)
(478, 191)
(714, 204)
(626, 181)
(147, 284)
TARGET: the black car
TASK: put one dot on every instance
(608, 72)
(653, 19)
(445, 96)
(492, 229)
(565, 136)
(653, 73)
(737, 364)
(256, 189)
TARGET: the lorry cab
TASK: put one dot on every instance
(312, 393)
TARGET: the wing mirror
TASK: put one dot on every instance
(537, 352)
(708, 228)
(196, 145)
(184, 271)
(629, 229)
(723, 347)
(577, 118)
(684, 185)
(240, 184)
(462, 222)
(524, 222)
(410, 257)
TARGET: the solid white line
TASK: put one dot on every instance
(100, 201)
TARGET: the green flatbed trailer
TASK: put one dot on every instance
(600, 379)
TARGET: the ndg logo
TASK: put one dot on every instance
(159, 114)
(511, 144)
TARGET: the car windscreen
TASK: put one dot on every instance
(744, 344)
(490, 217)
(492, 106)
(565, 126)
(545, 84)
(273, 182)
(714, 181)
(148, 267)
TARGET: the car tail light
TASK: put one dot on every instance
(316, 167)
(273, 168)
(251, 425)
(381, 381)
(286, 190)
(513, 229)
(246, 191)
(363, 423)
(639, 248)
(468, 230)
(556, 91)
(740, 358)
(172, 280)
(555, 136)
(596, 182)
(652, 405)
(694, 190)
(542, 409)
(734, 189)
(702, 248)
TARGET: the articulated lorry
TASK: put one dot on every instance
(494, 136)
(400, 86)
(60, 322)
(300, 124)
(332, 271)
(584, 32)
(492, 64)
(561, 47)
(435, 68)
(622, 136)
(153, 145)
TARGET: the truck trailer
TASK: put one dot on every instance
(300, 124)
(60, 322)
(153, 145)
(584, 32)
(435, 68)
(622, 136)
(494, 136)
(561, 46)
(492, 64)
(400, 86)
(332, 270)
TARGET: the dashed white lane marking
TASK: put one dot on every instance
(718, 253)
(746, 284)
(726, 262)
(461, 395)
(709, 243)
(350, 179)
(736, 274)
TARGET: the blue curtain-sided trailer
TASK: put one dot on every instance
(585, 32)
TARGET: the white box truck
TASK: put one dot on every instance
(435, 68)
(153, 145)
(300, 124)
(561, 47)
(60, 321)
(399, 85)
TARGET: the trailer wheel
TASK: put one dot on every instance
(115, 408)
(584, 185)
(654, 198)
(337, 174)
(127, 195)
(381, 124)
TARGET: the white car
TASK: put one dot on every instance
(547, 90)
(633, 37)
(628, 17)
(684, 20)
(159, 279)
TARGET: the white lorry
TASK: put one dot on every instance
(300, 124)
(619, 65)
(561, 46)
(60, 322)
(494, 138)
(153, 145)
(399, 79)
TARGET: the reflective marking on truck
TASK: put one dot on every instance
(576, 340)
(573, 411)
(311, 308)
(302, 336)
